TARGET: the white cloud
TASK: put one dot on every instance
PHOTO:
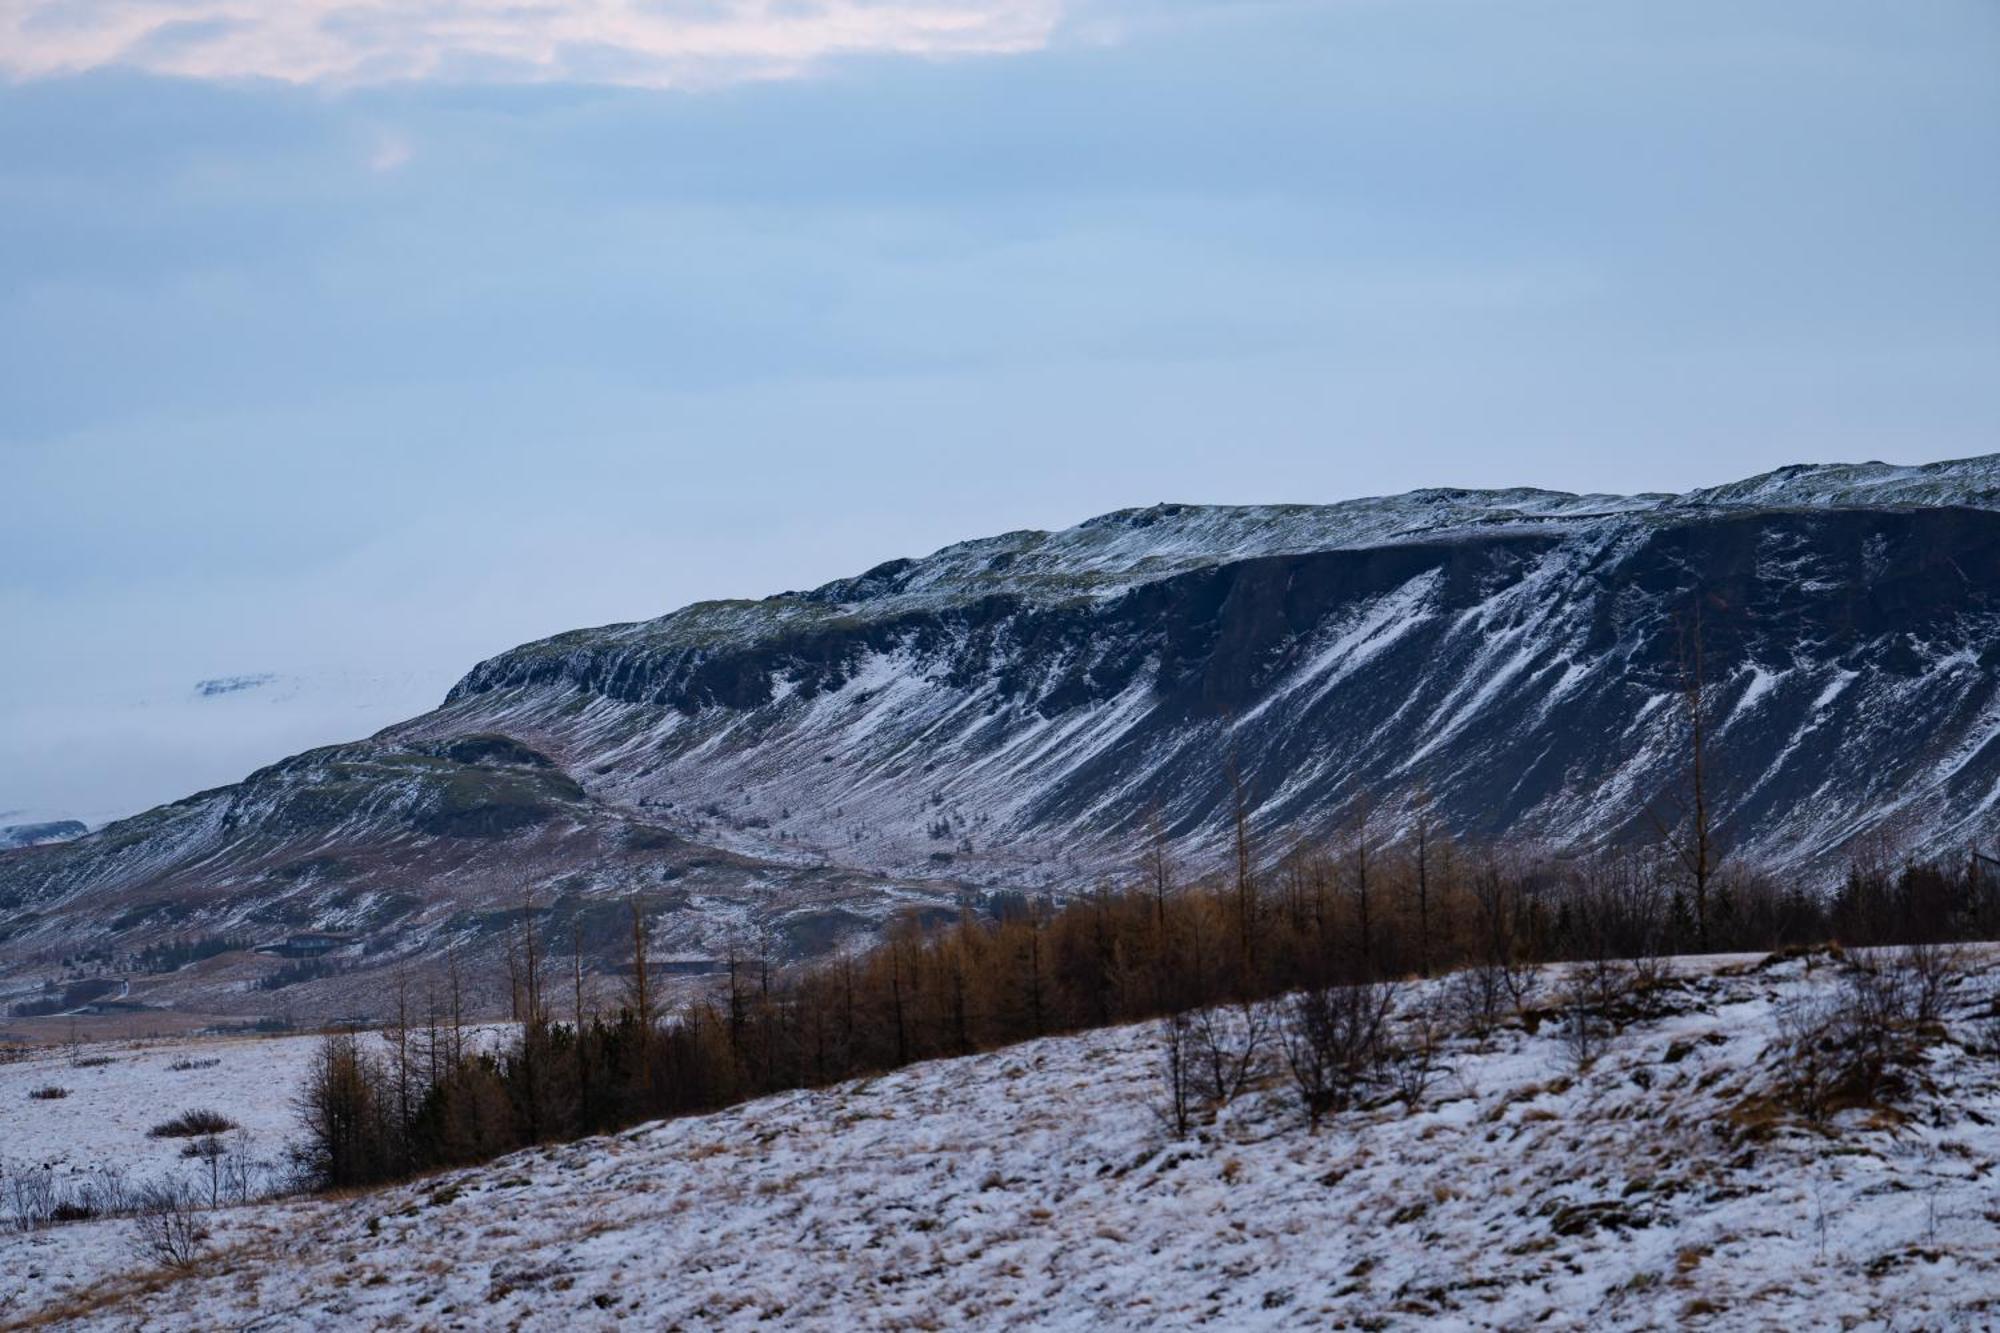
(642, 43)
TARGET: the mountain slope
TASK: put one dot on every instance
(1512, 654)
(1022, 710)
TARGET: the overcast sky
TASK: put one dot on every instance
(354, 342)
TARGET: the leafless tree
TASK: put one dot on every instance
(1246, 883)
(1688, 830)
(1177, 1058)
(1477, 996)
(1159, 871)
(1932, 971)
(1589, 993)
(1423, 884)
(1806, 1055)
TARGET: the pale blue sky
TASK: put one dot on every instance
(374, 351)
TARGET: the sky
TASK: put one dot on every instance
(353, 341)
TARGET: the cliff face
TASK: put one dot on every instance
(1525, 677)
(1022, 710)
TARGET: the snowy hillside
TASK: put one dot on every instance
(1023, 711)
(1028, 704)
(1037, 1186)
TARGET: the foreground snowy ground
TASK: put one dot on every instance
(1037, 1187)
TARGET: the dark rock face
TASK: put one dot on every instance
(1525, 680)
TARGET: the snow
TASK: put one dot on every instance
(1036, 1187)
(110, 1107)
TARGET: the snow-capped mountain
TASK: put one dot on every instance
(1023, 710)
(1036, 697)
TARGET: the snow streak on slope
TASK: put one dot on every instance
(1036, 1187)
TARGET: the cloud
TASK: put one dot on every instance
(637, 43)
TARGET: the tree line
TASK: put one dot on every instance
(1326, 923)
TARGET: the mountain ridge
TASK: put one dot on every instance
(1020, 712)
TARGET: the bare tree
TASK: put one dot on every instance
(1806, 1056)
(1689, 834)
(1478, 998)
(1159, 870)
(1587, 993)
(1246, 884)
(1506, 938)
(639, 992)
(1177, 1053)
(1358, 860)
(1423, 884)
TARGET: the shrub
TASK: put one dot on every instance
(1591, 995)
(1478, 1000)
(1843, 1049)
(192, 1124)
(1931, 971)
(49, 1093)
(1230, 1043)
(1334, 1042)
(182, 1066)
(169, 1230)
(1810, 1063)
(1413, 1063)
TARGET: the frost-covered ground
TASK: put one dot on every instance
(117, 1091)
(109, 1107)
(1037, 1187)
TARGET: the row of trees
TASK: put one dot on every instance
(1320, 924)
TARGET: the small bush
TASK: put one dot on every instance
(1844, 1049)
(192, 1124)
(1591, 996)
(1931, 971)
(1477, 999)
(169, 1231)
(49, 1093)
(1334, 1039)
(184, 1065)
(92, 1061)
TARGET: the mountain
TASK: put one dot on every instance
(1513, 653)
(1021, 710)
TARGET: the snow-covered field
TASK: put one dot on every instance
(109, 1107)
(1037, 1187)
